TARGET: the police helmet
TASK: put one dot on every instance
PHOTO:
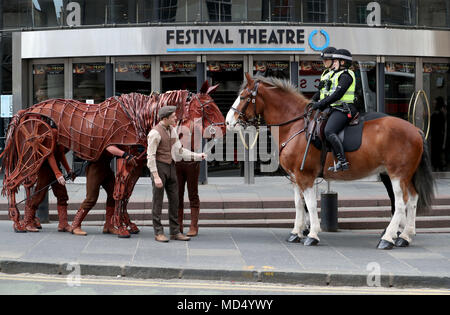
(327, 53)
(343, 54)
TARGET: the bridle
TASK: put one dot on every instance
(255, 121)
(243, 120)
(212, 124)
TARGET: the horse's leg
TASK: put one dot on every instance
(299, 223)
(311, 202)
(387, 240)
(409, 231)
(385, 179)
(388, 184)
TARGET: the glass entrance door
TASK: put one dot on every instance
(436, 85)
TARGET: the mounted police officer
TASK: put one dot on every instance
(340, 100)
(325, 79)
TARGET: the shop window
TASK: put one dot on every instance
(48, 82)
(316, 11)
(89, 82)
(179, 76)
(218, 10)
(277, 69)
(434, 13)
(133, 77)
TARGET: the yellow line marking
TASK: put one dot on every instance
(225, 286)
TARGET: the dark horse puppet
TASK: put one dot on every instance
(389, 146)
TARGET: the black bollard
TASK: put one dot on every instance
(328, 212)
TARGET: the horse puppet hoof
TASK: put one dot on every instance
(19, 228)
(293, 238)
(383, 244)
(133, 229)
(123, 233)
(401, 242)
(311, 241)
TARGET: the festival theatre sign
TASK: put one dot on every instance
(240, 39)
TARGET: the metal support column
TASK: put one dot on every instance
(380, 84)
(203, 176)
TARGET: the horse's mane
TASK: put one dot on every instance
(282, 84)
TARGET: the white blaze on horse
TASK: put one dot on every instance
(385, 145)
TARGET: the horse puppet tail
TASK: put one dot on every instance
(423, 180)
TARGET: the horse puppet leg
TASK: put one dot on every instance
(14, 213)
(300, 220)
(124, 184)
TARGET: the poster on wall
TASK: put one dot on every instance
(6, 106)
(177, 67)
(229, 66)
(81, 68)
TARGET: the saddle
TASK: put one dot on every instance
(351, 135)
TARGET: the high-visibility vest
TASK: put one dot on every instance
(325, 77)
(349, 96)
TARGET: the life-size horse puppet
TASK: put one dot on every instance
(389, 146)
(88, 130)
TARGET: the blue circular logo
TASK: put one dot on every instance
(313, 46)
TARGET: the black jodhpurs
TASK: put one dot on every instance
(336, 122)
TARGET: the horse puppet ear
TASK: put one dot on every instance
(204, 88)
(250, 80)
(211, 89)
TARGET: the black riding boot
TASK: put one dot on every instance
(338, 149)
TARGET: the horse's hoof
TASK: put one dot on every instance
(20, 231)
(401, 242)
(293, 238)
(385, 245)
(123, 235)
(310, 241)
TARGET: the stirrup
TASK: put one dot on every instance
(339, 166)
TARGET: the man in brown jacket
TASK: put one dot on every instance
(163, 148)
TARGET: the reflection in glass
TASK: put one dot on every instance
(133, 77)
(48, 82)
(89, 82)
(277, 69)
(399, 86)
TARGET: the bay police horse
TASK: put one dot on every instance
(389, 145)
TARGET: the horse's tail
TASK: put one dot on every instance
(423, 180)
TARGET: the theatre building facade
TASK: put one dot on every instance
(90, 50)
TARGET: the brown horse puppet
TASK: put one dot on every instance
(390, 146)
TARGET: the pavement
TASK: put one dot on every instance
(344, 258)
